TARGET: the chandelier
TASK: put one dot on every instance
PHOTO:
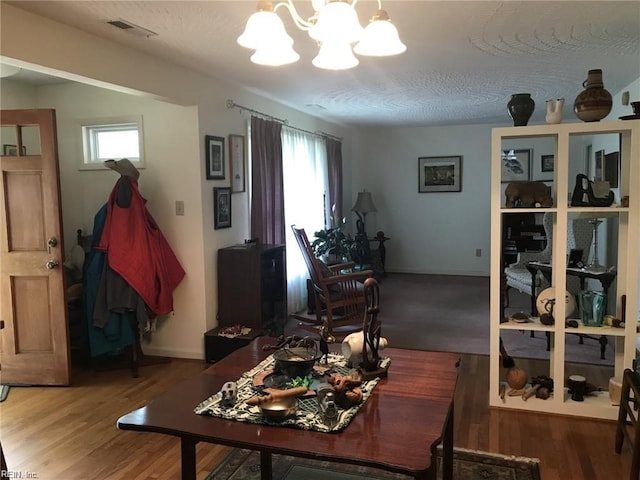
(334, 25)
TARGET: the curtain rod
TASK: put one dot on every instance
(232, 104)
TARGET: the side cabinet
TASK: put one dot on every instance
(252, 287)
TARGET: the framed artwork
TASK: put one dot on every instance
(612, 168)
(12, 150)
(439, 174)
(221, 207)
(545, 170)
(214, 148)
(236, 163)
(516, 165)
(598, 172)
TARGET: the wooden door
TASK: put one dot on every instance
(34, 345)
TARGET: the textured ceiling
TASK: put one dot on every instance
(464, 59)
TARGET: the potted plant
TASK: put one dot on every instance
(332, 245)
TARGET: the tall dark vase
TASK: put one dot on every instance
(520, 108)
(594, 102)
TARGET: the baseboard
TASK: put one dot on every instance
(466, 273)
(173, 352)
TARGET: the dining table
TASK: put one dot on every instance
(405, 420)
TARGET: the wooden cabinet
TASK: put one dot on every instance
(575, 147)
(252, 287)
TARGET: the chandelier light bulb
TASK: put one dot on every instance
(262, 26)
(275, 54)
(380, 38)
(337, 21)
(335, 56)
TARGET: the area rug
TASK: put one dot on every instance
(243, 464)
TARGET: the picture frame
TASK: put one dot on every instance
(516, 165)
(237, 163)
(598, 171)
(545, 172)
(612, 168)
(440, 174)
(214, 149)
(221, 207)
(9, 150)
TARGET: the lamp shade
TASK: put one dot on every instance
(335, 56)
(263, 26)
(380, 38)
(364, 203)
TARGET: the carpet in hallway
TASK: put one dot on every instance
(451, 313)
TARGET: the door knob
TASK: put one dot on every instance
(52, 242)
(51, 264)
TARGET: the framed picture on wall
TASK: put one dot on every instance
(612, 168)
(516, 165)
(598, 172)
(214, 150)
(439, 174)
(221, 207)
(236, 163)
(545, 170)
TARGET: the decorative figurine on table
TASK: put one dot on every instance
(361, 348)
(325, 339)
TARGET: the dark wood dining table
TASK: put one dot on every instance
(398, 429)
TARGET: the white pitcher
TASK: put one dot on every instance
(554, 110)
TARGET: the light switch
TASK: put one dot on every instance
(179, 207)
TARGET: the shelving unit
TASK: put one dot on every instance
(564, 138)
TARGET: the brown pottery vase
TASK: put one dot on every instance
(520, 108)
(594, 102)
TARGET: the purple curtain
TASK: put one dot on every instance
(334, 165)
(267, 191)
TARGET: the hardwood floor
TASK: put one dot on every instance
(71, 432)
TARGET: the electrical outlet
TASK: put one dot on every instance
(179, 207)
(478, 252)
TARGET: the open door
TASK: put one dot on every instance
(34, 339)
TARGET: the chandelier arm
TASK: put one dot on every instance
(300, 22)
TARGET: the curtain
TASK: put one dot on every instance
(304, 159)
(334, 167)
(267, 191)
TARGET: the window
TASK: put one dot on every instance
(112, 139)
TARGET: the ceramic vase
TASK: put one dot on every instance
(554, 110)
(594, 102)
(520, 108)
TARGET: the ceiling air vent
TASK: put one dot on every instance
(132, 28)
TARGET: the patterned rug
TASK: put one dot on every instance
(467, 465)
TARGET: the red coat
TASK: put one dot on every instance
(138, 251)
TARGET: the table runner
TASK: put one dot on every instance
(306, 417)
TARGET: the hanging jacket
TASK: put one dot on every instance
(137, 250)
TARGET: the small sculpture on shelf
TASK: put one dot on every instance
(584, 194)
(541, 387)
(528, 195)
(516, 377)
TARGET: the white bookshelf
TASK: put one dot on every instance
(564, 136)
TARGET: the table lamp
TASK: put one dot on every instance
(364, 204)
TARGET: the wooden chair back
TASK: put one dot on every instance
(338, 291)
(629, 398)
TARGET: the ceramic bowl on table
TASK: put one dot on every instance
(278, 410)
(296, 362)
